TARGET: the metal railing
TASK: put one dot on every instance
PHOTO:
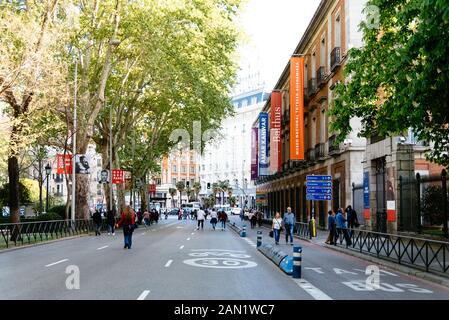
(310, 155)
(319, 151)
(301, 229)
(333, 147)
(335, 58)
(321, 76)
(311, 87)
(424, 254)
(30, 232)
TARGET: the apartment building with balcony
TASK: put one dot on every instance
(324, 45)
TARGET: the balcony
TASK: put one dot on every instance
(335, 58)
(333, 147)
(319, 151)
(321, 77)
(310, 155)
(311, 87)
(58, 179)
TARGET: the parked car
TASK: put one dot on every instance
(235, 211)
(174, 211)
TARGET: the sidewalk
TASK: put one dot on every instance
(320, 240)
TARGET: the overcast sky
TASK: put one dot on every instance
(273, 29)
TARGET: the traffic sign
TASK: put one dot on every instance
(318, 178)
(319, 184)
(312, 196)
(319, 190)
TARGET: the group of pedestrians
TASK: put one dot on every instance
(341, 225)
(287, 223)
(215, 217)
(98, 222)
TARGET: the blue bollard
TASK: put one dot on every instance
(244, 231)
(259, 238)
(297, 260)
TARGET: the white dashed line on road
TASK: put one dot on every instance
(188, 239)
(168, 263)
(101, 248)
(192, 233)
(316, 293)
(181, 247)
(57, 262)
(143, 295)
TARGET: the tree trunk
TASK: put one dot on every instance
(82, 196)
(143, 199)
(13, 174)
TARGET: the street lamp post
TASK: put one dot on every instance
(47, 172)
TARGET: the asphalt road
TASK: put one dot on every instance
(172, 260)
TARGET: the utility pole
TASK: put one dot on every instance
(74, 145)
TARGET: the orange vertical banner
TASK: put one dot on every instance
(296, 108)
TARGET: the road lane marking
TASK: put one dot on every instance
(168, 263)
(316, 293)
(57, 262)
(217, 250)
(188, 239)
(143, 295)
(192, 233)
(181, 247)
(101, 248)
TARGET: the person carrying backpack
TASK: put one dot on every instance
(128, 221)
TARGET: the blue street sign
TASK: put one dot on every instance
(319, 178)
(318, 190)
(319, 184)
(318, 197)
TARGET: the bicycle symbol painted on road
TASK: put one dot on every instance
(220, 259)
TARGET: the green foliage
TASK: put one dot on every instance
(59, 210)
(24, 194)
(48, 217)
(399, 79)
(432, 205)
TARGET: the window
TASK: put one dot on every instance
(254, 100)
(323, 124)
(337, 30)
(183, 169)
(174, 181)
(174, 168)
(244, 103)
(314, 65)
(323, 52)
(192, 169)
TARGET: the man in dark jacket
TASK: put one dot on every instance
(111, 222)
(353, 221)
(96, 217)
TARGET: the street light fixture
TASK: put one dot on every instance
(47, 173)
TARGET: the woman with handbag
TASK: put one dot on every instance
(128, 221)
(277, 227)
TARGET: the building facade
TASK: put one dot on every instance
(177, 166)
(324, 46)
(228, 157)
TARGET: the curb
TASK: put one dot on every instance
(394, 266)
(42, 243)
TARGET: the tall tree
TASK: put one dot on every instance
(399, 79)
(31, 72)
(180, 185)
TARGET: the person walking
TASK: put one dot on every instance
(276, 226)
(111, 222)
(341, 228)
(242, 215)
(213, 219)
(200, 217)
(253, 219)
(331, 227)
(289, 223)
(353, 221)
(96, 217)
(223, 217)
(128, 221)
(139, 216)
(146, 218)
(259, 218)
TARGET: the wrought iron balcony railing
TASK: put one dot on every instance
(335, 58)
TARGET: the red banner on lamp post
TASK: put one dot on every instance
(64, 163)
(152, 188)
(118, 176)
